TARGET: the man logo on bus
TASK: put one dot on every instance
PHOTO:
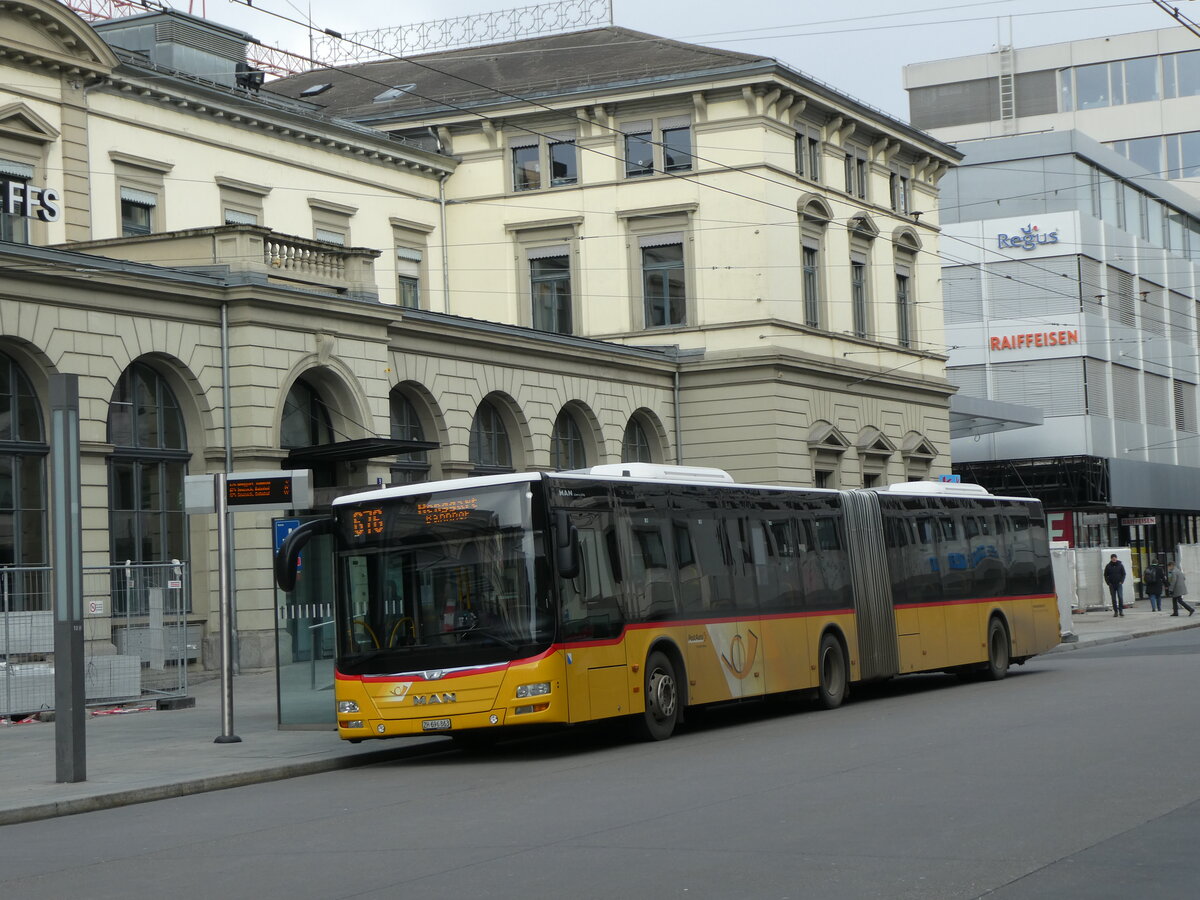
(419, 700)
(740, 660)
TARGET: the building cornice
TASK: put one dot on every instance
(299, 125)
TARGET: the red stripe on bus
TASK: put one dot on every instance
(973, 600)
(679, 623)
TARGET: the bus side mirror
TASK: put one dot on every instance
(566, 545)
(288, 556)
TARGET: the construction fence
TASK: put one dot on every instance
(137, 639)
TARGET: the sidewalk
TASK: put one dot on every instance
(1101, 627)
(151, 755)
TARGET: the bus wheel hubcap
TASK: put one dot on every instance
(662, 695)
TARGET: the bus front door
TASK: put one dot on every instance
(592, 622)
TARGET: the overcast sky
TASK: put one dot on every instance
(858, 48)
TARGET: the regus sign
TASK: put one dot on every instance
(1029, 239)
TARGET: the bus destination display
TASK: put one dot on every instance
(247, 491)
(439, 512)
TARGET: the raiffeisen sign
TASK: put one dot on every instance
(1034, 339)
(1030, 237)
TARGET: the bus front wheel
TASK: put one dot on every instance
(998, 651)
(658, 722)
(831, 664)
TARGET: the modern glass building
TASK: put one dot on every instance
(1070, 280)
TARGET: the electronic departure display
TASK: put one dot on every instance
(372, 521)
(252, 491)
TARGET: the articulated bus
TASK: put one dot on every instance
(473, 606)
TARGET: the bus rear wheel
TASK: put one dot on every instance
(998, 651)
(661, 688)
(831, 665)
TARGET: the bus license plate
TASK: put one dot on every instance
(435, 725)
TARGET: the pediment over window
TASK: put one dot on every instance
(906, 238)
(873, 442)
(19, 121)
(863, 225)
(814, 206)
(917, 446)
(44, 33)
(826, 436)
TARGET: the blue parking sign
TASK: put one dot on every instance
(284, 527)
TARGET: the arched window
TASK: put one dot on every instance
(23, 452)
(635, 445)
(306, 421)
(567, 450)
(146, 469)
(489, 439)
(406, 426)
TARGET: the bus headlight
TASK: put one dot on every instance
(347, 706)
(533, 690)
(353, 723)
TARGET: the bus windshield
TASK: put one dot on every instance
(441, 580)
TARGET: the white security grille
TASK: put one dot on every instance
(1119, 297)
(1017, 289)
(1091, 282)
(1158, 405)
(1185, 406)
(971, 380)
(1126, 396)
(1096, 376)
(962, 299)
(1181, 314)
(1153, 302)
(1055, 386)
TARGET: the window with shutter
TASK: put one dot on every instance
(1096, 382)
(1157, 389)
(1126, 396)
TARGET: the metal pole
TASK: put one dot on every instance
(227, 402)
(226, 602)
(70, 756)
(8, 707)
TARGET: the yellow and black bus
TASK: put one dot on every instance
(469, 606)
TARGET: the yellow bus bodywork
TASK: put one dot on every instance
(722, 660)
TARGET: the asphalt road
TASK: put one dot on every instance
(1077, 776)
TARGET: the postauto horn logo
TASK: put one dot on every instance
(1028, 239)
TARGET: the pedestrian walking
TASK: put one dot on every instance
(1154, 579)
(1176, 588)
(1114, 577)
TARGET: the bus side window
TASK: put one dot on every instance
(705, 585)
(590, 600)
(1023, 563)
(786, 543)
(768, 568)
(955, 560)
(652, 582)
(985, 558)
(740, 586)
(687, 567)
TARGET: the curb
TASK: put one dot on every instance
(1117, 638)
(132, 796)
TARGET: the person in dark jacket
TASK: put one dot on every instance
(1114, 577)
(1177, 587)
(1154, 580)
